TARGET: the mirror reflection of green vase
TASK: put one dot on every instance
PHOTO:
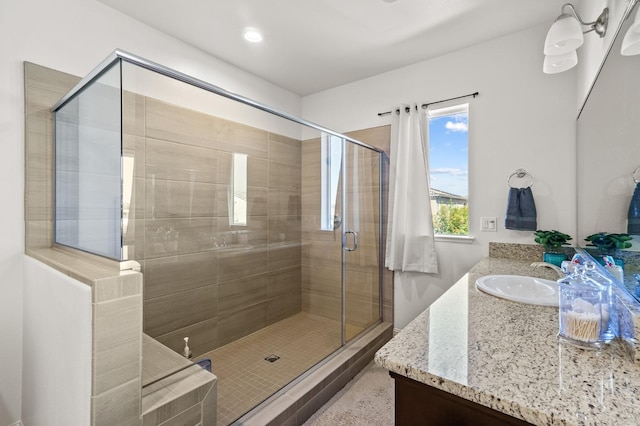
(554, 258)
(616, 260)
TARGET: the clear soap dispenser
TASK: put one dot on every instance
(584, 310)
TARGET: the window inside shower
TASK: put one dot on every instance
(225, 206)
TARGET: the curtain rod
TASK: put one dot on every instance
(380, 114)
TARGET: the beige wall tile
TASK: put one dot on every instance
(360, 312)
(173, 123)
(38, 234)
(171, 237)
(253, 234)
(203, 337)
(363, 286)
(38, 199)
(39, 139)
(176, 161)
(285, 282)
(284, 307)
(375, 136)
(284, 202)
(210, 406)
(190, 417)
(324, 305)
(159, 362)
(284, 228)
(387, 295)
(236, 295)
(235, 137)
(234, 264)
(311, 231)
(135, 146)
(364, 259)
(322, 280)
(129, 283)
(285, 294)
(134, 238)
(242, 323)
(312, 203)
(174, 274)
(174, 198)
(284, 176)
(136, 207)
(284, 255)
(119, 406)
(323, 254)
(133, 113)
(45, 86)
(191, 385)
(284, 150)
(167, 313)
(117, 342)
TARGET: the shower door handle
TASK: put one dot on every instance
(355, 241)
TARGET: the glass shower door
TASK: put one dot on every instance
(361, 234)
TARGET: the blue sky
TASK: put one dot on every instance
(449, 153)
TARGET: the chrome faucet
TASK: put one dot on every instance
(549, 265)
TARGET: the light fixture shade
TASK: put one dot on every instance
(630, 43)
(631, 40)
(636, 22)
(554, 64)
(564, 35)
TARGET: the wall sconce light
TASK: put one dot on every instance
(631, 40)
(566, 35)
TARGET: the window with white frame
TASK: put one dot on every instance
(449, 169)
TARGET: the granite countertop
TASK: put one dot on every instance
(506, 356)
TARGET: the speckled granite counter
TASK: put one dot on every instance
(506, 356)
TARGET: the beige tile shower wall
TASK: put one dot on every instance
(322, 251)
(379, 137)
(43, 88)
(205, 278)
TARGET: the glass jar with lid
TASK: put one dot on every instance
(584, 310)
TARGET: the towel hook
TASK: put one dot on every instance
(520, 173)
(634, 175)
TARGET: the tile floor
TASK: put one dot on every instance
(245, 378)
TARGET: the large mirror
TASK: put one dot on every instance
(608, 152)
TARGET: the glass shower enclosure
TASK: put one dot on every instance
(258, 233)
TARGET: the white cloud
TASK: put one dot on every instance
(449, 171)
(457, 126)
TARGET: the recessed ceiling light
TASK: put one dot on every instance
(252, 35)
(389, 1)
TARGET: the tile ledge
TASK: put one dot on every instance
(181, 383)
(80, 266)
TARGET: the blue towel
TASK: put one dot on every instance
(633, 217)
(521, 210)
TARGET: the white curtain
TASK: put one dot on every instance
(410, 236)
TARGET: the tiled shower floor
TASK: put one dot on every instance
(245, 378)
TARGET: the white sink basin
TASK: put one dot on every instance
(534, 291)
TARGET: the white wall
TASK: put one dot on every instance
(523, 118)
(72, 36)
(57, 348)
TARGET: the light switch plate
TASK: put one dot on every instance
(489, 224)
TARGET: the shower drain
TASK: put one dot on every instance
(272, 358)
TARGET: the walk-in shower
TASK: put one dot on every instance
(258, 233)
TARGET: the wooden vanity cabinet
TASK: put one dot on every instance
(423, 405)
